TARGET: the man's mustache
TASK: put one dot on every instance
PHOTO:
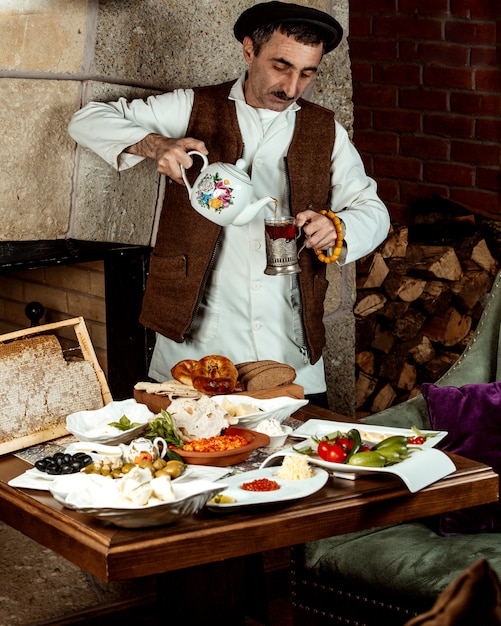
(282, 96)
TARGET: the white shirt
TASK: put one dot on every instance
(245, 314)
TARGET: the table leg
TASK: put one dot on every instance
(226, 591)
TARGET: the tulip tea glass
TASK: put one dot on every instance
(281, 249)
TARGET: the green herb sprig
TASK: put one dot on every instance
(164, 427)
(124, 423)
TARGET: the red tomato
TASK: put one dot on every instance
(333, 453)
(416, 441)
(364, 449)
(345, 443)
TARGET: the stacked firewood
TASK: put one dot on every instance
(419, 299)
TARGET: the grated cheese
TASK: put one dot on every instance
(295, 467)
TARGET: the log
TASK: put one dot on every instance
(435, 368)
(365, 361)
(391, 366)
(369, 303)
(365, 387)
(437, 262)
(364, 332)
(371, 272)
(394, 310)
(448, 329)
(408, 377)
(396, 243)
(409, 325)
(472, 287)
(384, 339)
(384, 398)
(436, 297)
(474, 253)
(423, 351)
(406, 288)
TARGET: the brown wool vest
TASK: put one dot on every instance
(187, 242)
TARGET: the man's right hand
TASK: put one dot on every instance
(168, 153)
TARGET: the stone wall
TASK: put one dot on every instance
(56, 56)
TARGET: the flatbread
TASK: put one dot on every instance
(169, 388)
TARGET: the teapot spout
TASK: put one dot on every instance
(251, 210)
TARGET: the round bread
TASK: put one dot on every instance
(214, 374)
(182, 371)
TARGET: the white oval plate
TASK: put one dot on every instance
(289, 489)
(92, 494)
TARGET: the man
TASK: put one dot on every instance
(206, 292)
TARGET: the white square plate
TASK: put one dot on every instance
(368, 432)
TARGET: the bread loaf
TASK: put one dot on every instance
(214, 374)
(265, 374)
(182, 371)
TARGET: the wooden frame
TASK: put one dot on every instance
(88, 353)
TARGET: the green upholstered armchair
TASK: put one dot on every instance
(385, 576)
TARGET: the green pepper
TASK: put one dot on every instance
(393, 454)
(390, 441)
(305, 450)
(354, 435)
(367, 459)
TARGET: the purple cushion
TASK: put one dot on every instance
(472, 416)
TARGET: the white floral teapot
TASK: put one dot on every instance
(144, 447)
(223, 192)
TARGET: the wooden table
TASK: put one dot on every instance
(202, 554)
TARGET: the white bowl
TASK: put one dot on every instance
(277, 441)
(273, 408)
(95, 495)
(94, 425)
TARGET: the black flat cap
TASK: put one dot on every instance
(274, 12)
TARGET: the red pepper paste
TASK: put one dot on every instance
(261, 484)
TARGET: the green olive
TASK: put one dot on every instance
(162, 472)
(159, 464)
(174, 468)
(126, 467)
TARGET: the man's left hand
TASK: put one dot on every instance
(319, 230)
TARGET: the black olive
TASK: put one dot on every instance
(78, 455)
(66, 469)
(41, 464)
(53, 468)
(76, 466)
(85, 460)
(67, 458)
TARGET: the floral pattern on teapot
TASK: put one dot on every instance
(214, 193)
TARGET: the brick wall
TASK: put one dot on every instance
(65, 291)
(427, 98)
